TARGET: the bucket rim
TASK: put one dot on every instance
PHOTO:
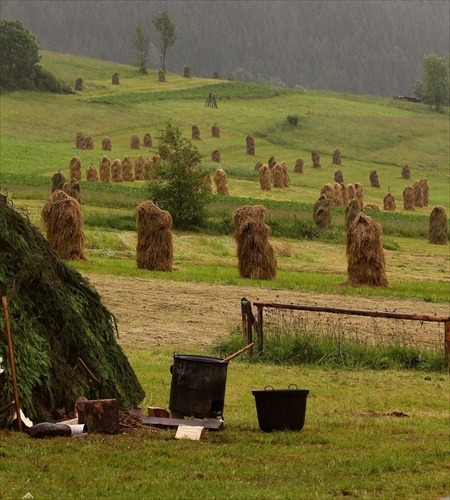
(199, 358)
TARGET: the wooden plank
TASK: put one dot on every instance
(213, 424)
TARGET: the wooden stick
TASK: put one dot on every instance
(231, 356)
(7, 406)
(11, 362)
(90, 374)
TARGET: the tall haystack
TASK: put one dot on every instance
(88, 143)
(408, 198)
(215, 156)
(148, 141)
(418, 194)
(285, 174)
(406, 172)
(161, 76)
(72, 188)
(105, 169)
(127, 169)
(75, 167)
(365, 254)
(230, 77)
(298, 169)
(338, 200)
(79, 140)
(195, 132)
(337, 158)
(220, 180)
(149, 168)
(79, 84)
(438, 229)
(215, 75)
(351, 211)
(106, 143)
(187, 72)
(58, 181)
(264, 178)
(423, 183)
(315, 159)
(116, 171)
(271, 162)
(250, 143)
(344, 192)
(135, 142)
(156, 159)
(63, 223)
(91, 173)
(56, 318)
(278, 176)
(139, 168)
(389, 202)
(374, 181)
(207, 182)
(256, 256)
(215, 130)
(351, 191)
(328, 190)
(338, 176)
(115, 79)
(258, 165)
(154, 249)
(359, 193)
(322, 212)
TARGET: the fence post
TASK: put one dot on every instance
(248, 321)
(447, 342)
(260, 329)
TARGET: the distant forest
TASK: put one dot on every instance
(361, 47)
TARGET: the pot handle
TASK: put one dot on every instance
(269, 387)
(294, 386)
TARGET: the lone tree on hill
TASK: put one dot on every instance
(141, 48)
(166, 30)
(434, 87)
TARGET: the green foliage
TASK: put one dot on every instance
(166, 33)
(141, 46)
(292, 120)
(434, 87)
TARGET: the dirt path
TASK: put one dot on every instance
(182, 315)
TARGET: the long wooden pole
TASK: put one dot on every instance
(231, 356)
(12, 363)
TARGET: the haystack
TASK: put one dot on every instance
(148, 141)
(406, 172)
(116, 171)
(338, 176)
(337, 158)
(322, 212)
(215, 75)
(195, 133)
(351, 191)
(207, 182)
(148, 168)
(215, 130)
(285, 174)
(418, 194)
(298, 168)
(79, 83)
(220, 180)
(372, 206)
(106, 143)
(75, 167)
(139, 168)
(105, 169)
(230, 77)
(389, 202)
(278, 176)
(374, 181)
(115, 79)
(215, 156)
(258, 165)
(250, 142)
(328, 190)
(438, 230)
(271, 162)
(359, 193)
(156, 159)
(135, 142)
(88, 143)
(187, 72)
(58, 181)
(56, 317)
(423, 183)
(154, 249)
(91, 173)
(408, 198)
(351, 211)
(63, 224)
(315, 159)
(79, 140)
(161, 76)
(264, 178)
(365, 254)
(127, 169)
(344, 193)
(256, 257)
(72, 188)
(337, 199)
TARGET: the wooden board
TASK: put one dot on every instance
(212, 425)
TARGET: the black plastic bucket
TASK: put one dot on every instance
(281, 409)
(198, 385)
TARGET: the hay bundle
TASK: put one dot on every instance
(250, 142)
(72, 188)
(106, 143)
(79, 140)
(278, 176)
(148, 168)
(322, 212)
(195, 132)
(337, 199)
(127, 169)
(215, 75)
(264, 178)
(58, 181)
(220, 180)
(207, 182)
(115, 79)
(230, 77)
(285, 174)
(187, 72)
(374, 181)
(148, 141)
(408, 198)
(423, 183)
(351, 211)
(256, 257)
(298, 169)
(105, 169)
(156, 159)
(418, 194)
(154, 249)
(389, 202)
(135, 142)
(89, 143)
(79, 83)
(315, 159)
(351, 191)
(337, 158)
(359, 193)
(63, 223)
(75, 167)
(338, 176)
(258, 165)
(271, 162)
(328, 191)
(161, 76)
(406, 172)
(139, 168)
(365, 255)
(372, 206)
(438, 229)
(91, 173)
(215, 130)
(116, 171)
(344, 192)
(215, 156)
